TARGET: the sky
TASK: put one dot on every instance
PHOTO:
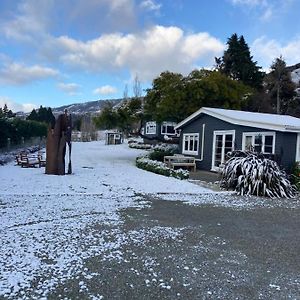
(58, 52)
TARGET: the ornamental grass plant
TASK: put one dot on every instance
(249, 173)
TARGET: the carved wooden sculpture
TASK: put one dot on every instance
(56, 146)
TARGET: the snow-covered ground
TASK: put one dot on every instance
(45, 219)
(98, 169)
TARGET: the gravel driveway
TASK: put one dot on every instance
(164, 249)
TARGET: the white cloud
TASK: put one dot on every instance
(18, 74)
(267, 14)
(249, 2)
(105, 90)
(266, 50)
(150, 5)
(264, 10)
(16, 107)
(69, 88)
(146, 53)
(30, 20)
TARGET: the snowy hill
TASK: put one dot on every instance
(91, 107)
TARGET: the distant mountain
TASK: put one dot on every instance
(90, 107)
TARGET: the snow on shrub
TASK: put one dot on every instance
(159, 151)
(145, 163)
(249, 173)
(172, 148)
(140, 146)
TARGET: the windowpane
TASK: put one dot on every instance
(268, 149)
(258, 140)
(186, 145)
(170, 129)
(257, 148)
(268, 140)
(196, 145)
(248, 143)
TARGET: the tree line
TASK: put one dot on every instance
(14, 128)
(235, 82)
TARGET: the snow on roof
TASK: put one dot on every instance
(252, 119)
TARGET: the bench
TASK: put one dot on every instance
(30, 161)
(180, 161)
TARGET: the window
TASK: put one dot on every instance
(223, 143)
(261, 142)
(190, 143)
(151, 128)
(167, 128)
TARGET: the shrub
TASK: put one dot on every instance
(159, 151)
(140, 146)
(251, 174)
(145, 163)
(295, 175)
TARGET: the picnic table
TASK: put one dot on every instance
(180, 161)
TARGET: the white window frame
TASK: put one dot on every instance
(166, 124)
(223, 133)
(151, 128)
(263, 135)
(189, 137)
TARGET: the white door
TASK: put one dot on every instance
(222, 144)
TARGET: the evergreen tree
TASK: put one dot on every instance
(50, 117)
(238, 64)
(43, 114)
(5, 110)
(280, 86)
(33, 116)
(107, 119)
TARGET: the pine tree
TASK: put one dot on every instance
(33, 116)
(5, 110)
(238, 64)
(280, 86)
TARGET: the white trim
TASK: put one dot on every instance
(251, 119)
(263, 134)
(166, 123)
(183, 143)
(223, 133)
(202, 142)
(298, 148)
(151, 125)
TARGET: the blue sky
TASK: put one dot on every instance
(57, 52)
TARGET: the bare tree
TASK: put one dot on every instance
(136, 87)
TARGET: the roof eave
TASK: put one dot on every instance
(282, 128)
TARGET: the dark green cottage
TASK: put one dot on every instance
(210, 133)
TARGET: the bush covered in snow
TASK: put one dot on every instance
(159, 151)
(145, 163)
(249, 173)
(139, 146)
